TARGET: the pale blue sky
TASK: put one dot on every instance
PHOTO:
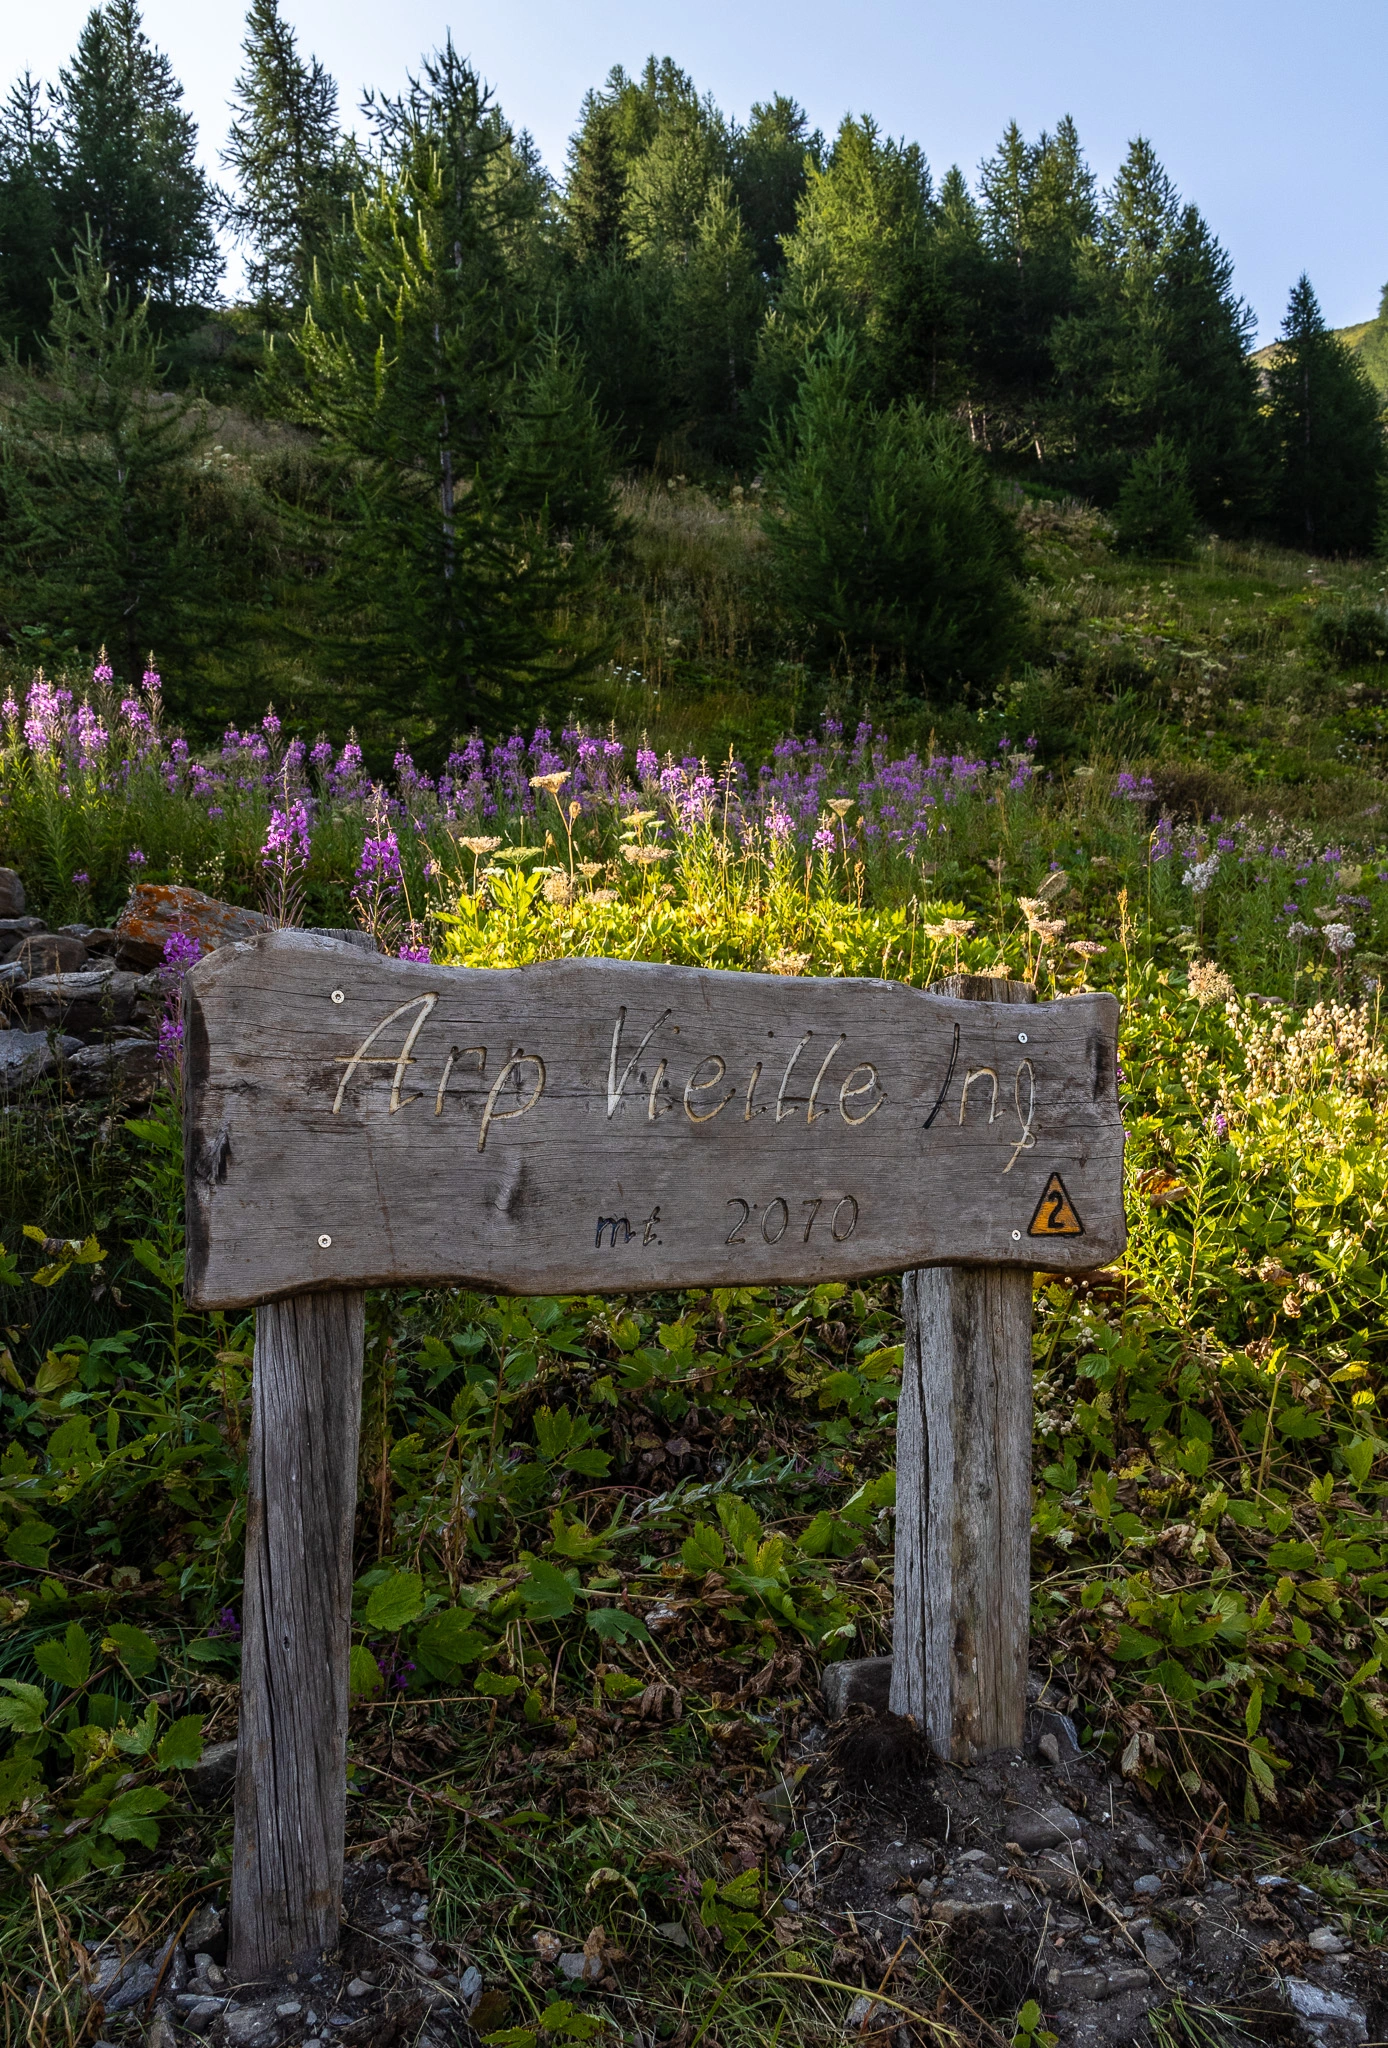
(1270, 118)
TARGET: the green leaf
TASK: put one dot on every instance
(449, 1640)
(1293, 1557)
(138, 1652)
(512, 2037)
(1132, 1644)
(615, 1625)
(29, 1542)
(181, 1747)
(1359, 1456)
(593, 1464)
(24, 1713)
(20, 1779)
(396, 1601)
(364, 1679)
(548, 1594)
(493, 1686)
(127, 1817)
(703, 1551)
(136, 1740)
(68, 1660)
(1299, 1424)
(562, 2021)
(212, 1650)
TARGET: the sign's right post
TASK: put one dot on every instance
(962, 1597)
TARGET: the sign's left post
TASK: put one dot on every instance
(291, 1769)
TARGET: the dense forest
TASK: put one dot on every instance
(387, 479)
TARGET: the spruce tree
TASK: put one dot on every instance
(411, 364)
(30, 182)
(1326, 427)
(1158, 346)
(1156, 512)
(1038, 211)
(285, 151)
(96, 475)
(129, 163)
(885, 531)
(772, 157)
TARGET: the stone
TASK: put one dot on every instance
(131, 1985)
(580, 1969)
(160, 2032)
(1124, 1978)
(1160, 1950)
(48, 953)
(967, 1913)
(97, 999)
(29, 1056)
(11, 975)
(214, 1774)
(426, 1962)
(359, 1988)
(1326, 1941)
(11, 894)
(247, 2022)
(1080, 1987)
(198, 2009)
(1146, 1887)
(865, 2015)
(1044, 1830)
(290, 2009)
(1327, 2018)
(202, 1930)
(856, 1682)
(672, 1931)
(155, 910)
(470, 1983)
(393, 1930)
(127, 1065)
(1053, 1734)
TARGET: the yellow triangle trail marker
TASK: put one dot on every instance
(1055, 1213)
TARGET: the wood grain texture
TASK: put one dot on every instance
(597, 1125)
(961, 1601)
(291, 1772)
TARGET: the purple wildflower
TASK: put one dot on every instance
(136, 859)
(420, 953)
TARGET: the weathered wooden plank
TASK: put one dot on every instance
(594, 1125)
(962, 1572)
(291, 1777)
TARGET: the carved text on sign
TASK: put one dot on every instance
(590, 1124)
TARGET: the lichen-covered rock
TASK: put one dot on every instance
(155, 910)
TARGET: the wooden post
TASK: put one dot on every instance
(963, 1518)
(291, 1771)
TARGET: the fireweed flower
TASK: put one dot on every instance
(151, 681)
(103, 675)
(378, 882)
(420, 953)
(43, 727)
(823, 841)
(81, 879)
(135, 858)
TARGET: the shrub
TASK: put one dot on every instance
(1156, 510)
(1356, 634)
(887, 536)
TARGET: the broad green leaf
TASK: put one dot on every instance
(615, 1625)
(68, 1659)
(127, 1817)
(1132, 1644)
(181, 1746)
(25, 1711)
(137, 1739)
(493, 1686)
(138, 1652)
(364, 1678)
(396, 1602)
(703, 1551)
(20, 1779)
(449, 1640)
(29, 1542)
(1293, 1557)
(592, 1463)
(1359, 1457)
(562, 2021)
(548, 1594)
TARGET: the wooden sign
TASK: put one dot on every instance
(586, 1126)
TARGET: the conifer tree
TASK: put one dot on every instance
(129, 163)
(285, 151)
(1327, 432)
(30, 183)
(1158, 346)
(1038, 210)
(95, 473)
(772, 157)
(887, 538)
(412, 361)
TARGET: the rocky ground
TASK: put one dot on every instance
(950, 1893)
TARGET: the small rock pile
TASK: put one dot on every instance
(389, 1980)
(84, 1003)
(1039, 1874)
